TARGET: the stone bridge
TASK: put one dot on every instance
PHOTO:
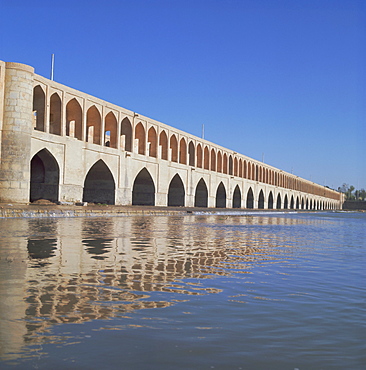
(63, 145)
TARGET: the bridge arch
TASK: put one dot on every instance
(237, 197)
(220, 196)
(213, 160)
(174, 148)
(176, 192)
(39, 106)
(140, 137)
(201, 194)
(126, 133)
(163, 143)
(143, 191)
(292, 202)
(261, 200)
(278, 202)
(270, 200)
(182, 151)
(191, 154)
(93, 125)
(74, 119)
(297, 203)
(250, 198)
(199, 156)
(206, 158)
(110, 130)
(285, 202)
(44, 177)
(55, 114)
(99, 185)
(152, 142)
(224, 163)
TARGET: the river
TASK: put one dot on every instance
(227, 291)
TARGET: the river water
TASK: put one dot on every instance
(254, 291)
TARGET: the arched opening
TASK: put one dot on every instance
(270, 200)
(285, 202)
(237, 197)
(213, 160)
(93, 125)
(221, 196)
(191, 153)
(99, 186)
(235, 166)
(163, 143)
(297, 203)
(278, 203)
(219, 161)
(143, 192)
(240, 168)
(176, 192)
(55, 114)
(152, 142)
(201, 194)
(140, 138)
(302, 203)
(174, 148)
(206, 158)
(39, 103)
(249, 171)
(250, 198)
(224, 163)
(311, 204)
(44, 177)
(182, 151)
(126, 135)
(261, 200)
(74, 119)
(199, 156)
(110, 130)
(307, 204)
(292, 202)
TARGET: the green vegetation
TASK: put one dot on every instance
(351, 193)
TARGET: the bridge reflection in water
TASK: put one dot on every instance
(74, 270)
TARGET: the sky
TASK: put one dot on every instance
(282, 82)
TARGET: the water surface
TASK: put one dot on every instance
(265, 291)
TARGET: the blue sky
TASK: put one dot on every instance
(279, 80)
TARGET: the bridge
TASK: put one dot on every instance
(60, 144)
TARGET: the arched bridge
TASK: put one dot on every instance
(60, 144)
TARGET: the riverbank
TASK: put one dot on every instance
(53, 211)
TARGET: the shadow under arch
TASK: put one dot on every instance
(250, 199)
(237, 197)
(201, 194)
(220, 196)
(143, 191)
(99, 186)
(176, 192)
(44, 177)
(261, 200)
(270, 200)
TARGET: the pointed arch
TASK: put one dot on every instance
(93, 124)
(206, 158)
(285, 202)
(240, 168)
(163, 143)
(176, 192)
(201, 194)
(152, 141)
(191, 154)
(261, 200)
(74, 119)
(292, 202)
(270, 200)
(220, 196)
(250, 198)
(199, 156)
(213, 160)
(237, 197)
(44, 177)
(140, 138)
(39, 106)
(224, 163)
(174, 148)
(235, 166)
(278, 202)
(219, 161)
(110, 130)
(55, 114)
(99, 185)
(143, 191)
(126, 135)
(297, 203)
(182, 151)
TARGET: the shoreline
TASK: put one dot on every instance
(60, 211)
